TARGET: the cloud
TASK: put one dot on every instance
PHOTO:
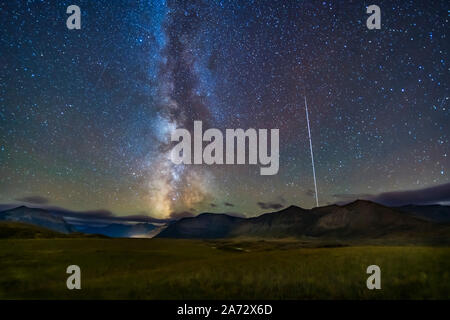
(270, 205)
(436, 194)
(102, 215)
(430, 195)
(277, 203)
(34, 200)
(228, 204)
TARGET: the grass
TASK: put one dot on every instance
(190, 269)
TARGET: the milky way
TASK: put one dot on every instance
(86, 115)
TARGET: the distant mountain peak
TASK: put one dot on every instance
(361, 202)
(293, 207)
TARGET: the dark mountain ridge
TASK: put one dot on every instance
(357, 220)
(435, 212)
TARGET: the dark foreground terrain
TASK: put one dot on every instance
(218, 269)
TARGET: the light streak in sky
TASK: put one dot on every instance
(312, 155)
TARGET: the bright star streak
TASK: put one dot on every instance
(312, 155)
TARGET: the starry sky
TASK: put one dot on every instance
(86, 115)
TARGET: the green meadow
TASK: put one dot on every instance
(195, 269)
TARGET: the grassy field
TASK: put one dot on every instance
(185, 269)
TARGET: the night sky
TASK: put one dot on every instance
(86, 115)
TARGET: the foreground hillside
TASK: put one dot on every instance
(191, 269)
(18, 230)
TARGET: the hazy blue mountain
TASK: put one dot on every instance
(54, 220)
(37, 217)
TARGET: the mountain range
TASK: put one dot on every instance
(358, 220)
